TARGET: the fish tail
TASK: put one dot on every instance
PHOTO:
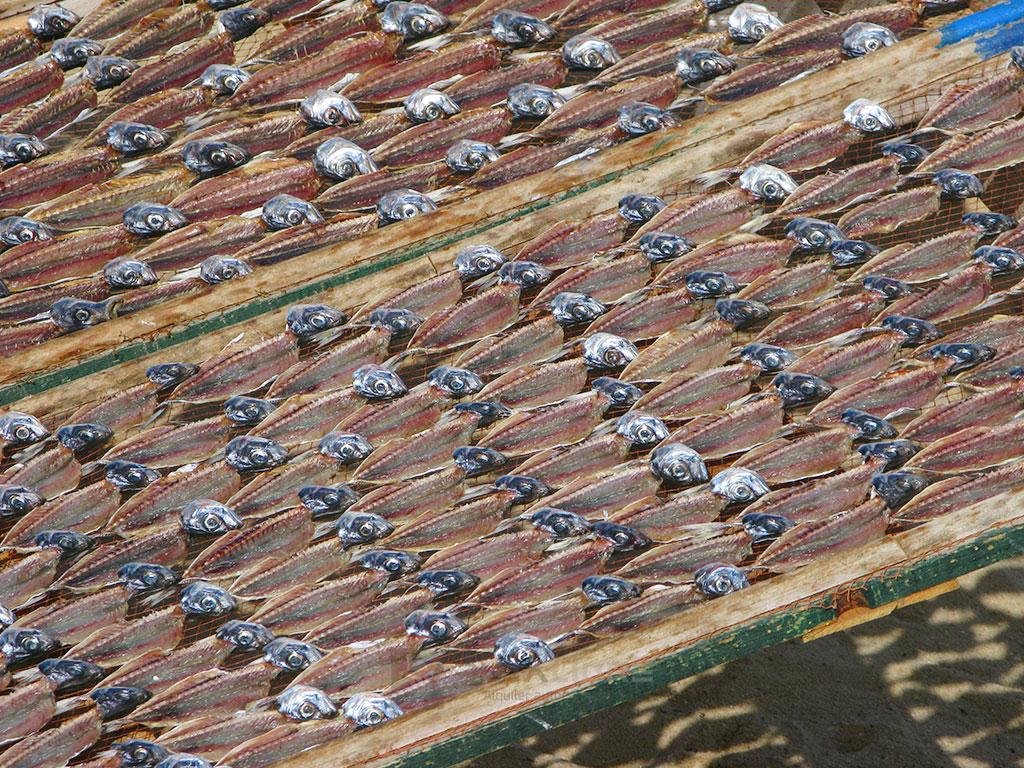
(710, 179)
(756, 223)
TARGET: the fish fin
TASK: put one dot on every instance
(710, 179)
(756, 223)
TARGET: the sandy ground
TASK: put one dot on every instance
(934, 685)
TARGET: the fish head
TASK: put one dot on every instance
(589, 52)
(761, 526)
(137, 753)
(402, 204)
(526, 489)
(799, 389)
(145, 577)
(518, 651)
(341, 159)
(695, 66)
(48, 22)
(863, 37)
(958, 185)
(254, 454)
(184, 760)
(849, 253)
(15, 230)
(609, 589)
(457, 382)
(20, 148)
(220, 267)
(133, 138)
(67, 542)
(17, 428)
(486, 412)
(242, 22)
(619, 393)
(892, 453)
(447, 582)
(641, 429)
(354, 528)
(304, 702)
(293, 655)
(321, 499)
(247, 411)
(868, 116)
(148, 219)
(1017, 57)
(412, 20)
(392, 562)
(768, 357)
(205, 158)
(18, 500)
(436, 626)
(223, 79)
(869, 427)
(369, 709)
(739, 485)
(1000, 259)
(913, 330)
(532, 100)
(7, 616)
(74, 314)
(395, 320)
(306, 320)
(813, 235)
(427, 104)
(709, 285)
(72, 52)
(963, 356)
(678, 465)
(346, 448)
(640, 208)
(128, 272)
(718, 579)
(244, 635)
(283, 211)
(889, 287)
(639, 117)
(662, 246)
(750, 23)
(570, 308)
(606, 350)
(526, 274)
(766, 182)
(201, 598)
(622, 537)
(71, 673)
(119, 700)
(167, 376)
(324, 109)
(24, 643)
(741, 313)
(477, 460)
(560, 523)
(517, 28)
(80, 438)
(108, 71)
(206, 517)
(988, 223)
(375, 382)
(467, 155)
(897, 488)
(475, 261)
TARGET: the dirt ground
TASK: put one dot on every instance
(939, 684)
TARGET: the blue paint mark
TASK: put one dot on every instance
(999, 29)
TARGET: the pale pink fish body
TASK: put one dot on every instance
(555, 575)
(604, 279)
(214, 737)
(829, 318)
(574, 242)
(988, 150)
(405, 500)
(307, 566)
(269, 541)
(171, 445)
(962, 491)
(73, 619)
(164, 546)
(156, 669)
(299, 422)
(787, 459)
(277, 489)
(488, 312)
(848, 363)
(599, 496)
(285, 741)
(373, 623)
(683, 395)
(423, 298)
(530, 385)
(302, 608)
(548, 621)
(813, 540)
(240, 369)
(932, 258)
(648, 314)
(26, 709)
(889, 212)
(530, 343)
(990, 407)
(404, 416)
(22, 576)
(652, 606)
(679, 560)
(435, 683)
(963, 109)
(957, 295)
(973, 448)
(83, 511)
(118, 643)
(214, 693)
(674, 518)
(704, 217)
(50, 473)
(743, 257)
(547, 425)
(334, 368)
(56, 745)
(817, 499)
(352, 670)
(882, 395)
(792, 286)
(736, 429)
(562, 464)
(486, 557)
(680, 351)
(404, 457)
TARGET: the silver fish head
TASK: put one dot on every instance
(532, 100)
(894, 453)
(528, 274)
(15, 230)
(402, 204)
(323, 499)
(107, 71)
(305, 320)
(71, 673)
(205, 158)
(304, 702)
(526, 489)
(118, 701)
(868, 427)
(167, 376)
(242, 22)
(913, 330)
(710, 285)
(622, 537)
(476, 460)
(395, 320)
(354, 528)
(484, 412)
(68, 542)
(641, 430)
(718, 579)
(393, 562)
(849, 253)
(908, 156)
(134, 138)
(48, 22)
(244, 635)
(23, 643)
(606, 350)
(766, 182)
(889, 287)
(750, 22)
(436, 626)
(760, 526)
(369, 709)
(457, 382)
(137, 753)
(72, 52)
(81, 438)
(517, 28)
(813, 235)
(1000, 259)
(964, 355)
(589, 52)
(768, 357)
(375, 382)
(128, 272)
(662, 246)
(868, 116)
(74, 314)
(1017, 57)
(221, 267)
(427, 104)
(678, 465)
(897, 488)
(560, 523)
(640, 208)
(149, 219)
(988, 223)
(639, 117)
(346, 448)
(7, 616)
(17, 428)
(695, 66)
(201, 598)
(741, 313)
(570, 308)
(18, 500)
(283, 211)
(324, 109)
(223, 79)
(205, 517)
(20, 148)
(412, 20)
(739, 485)
(184, 760)
(619, 393)
(247, 411)
(799, 389)
(293, 655)
(475, 261)
(467, 155)
(863, 37)
(340, 159)
(518, 651)
(146, 577)
(447, 582)
(609, 589)
(958, 185)
(254, 454)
